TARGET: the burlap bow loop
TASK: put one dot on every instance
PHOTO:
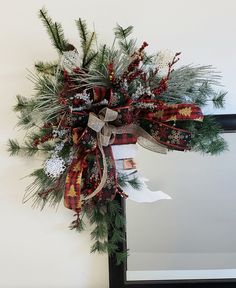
(99, 123)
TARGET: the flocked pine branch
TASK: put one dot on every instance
(47, 90)
(44, 190)
(25, 120)
(194, 84)
(22, 103)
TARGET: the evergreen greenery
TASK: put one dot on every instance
(127, 46)
(55, 31)
(46, 68)
(87, 42)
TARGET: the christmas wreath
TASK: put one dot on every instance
(88, 102)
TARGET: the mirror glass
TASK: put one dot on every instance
(192, 235)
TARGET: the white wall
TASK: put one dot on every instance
(37, 249)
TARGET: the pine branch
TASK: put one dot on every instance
(13, 147)
(119, 221)
(121, 257)
(47, 90)
(28, 149)
(106, 217)
(87, 40)
(206, 136)
(60, 36)
(217, 146)
(219, 100)
(46, 68)
(135, 183)
(111, 247)
(54, 30)
(101, 58)
(96, 216)
(47, 147)
(89, 44)
(117, 236)
(147, 60)
(189, 84)
(42, 132)
(99, 247)
(82, 28)
(22, 103)
(25, 120)
(122, 34)
(84, 34)
(116, 225)
(45, 190)
(77, 224)
(25, 107)
(123, 179)
(90, 58)
(99, 232)
(39, 174)
(128, 47)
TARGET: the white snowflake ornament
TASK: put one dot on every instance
(54, 166)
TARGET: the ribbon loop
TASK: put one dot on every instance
(100, 125)
(95, 123)
(108, 114)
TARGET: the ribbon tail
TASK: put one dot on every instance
(104, 173)
(167, 135)
(72, 197)
(144, 138)
(110, 188)
(108, 181)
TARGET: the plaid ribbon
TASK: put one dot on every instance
(125, 138)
